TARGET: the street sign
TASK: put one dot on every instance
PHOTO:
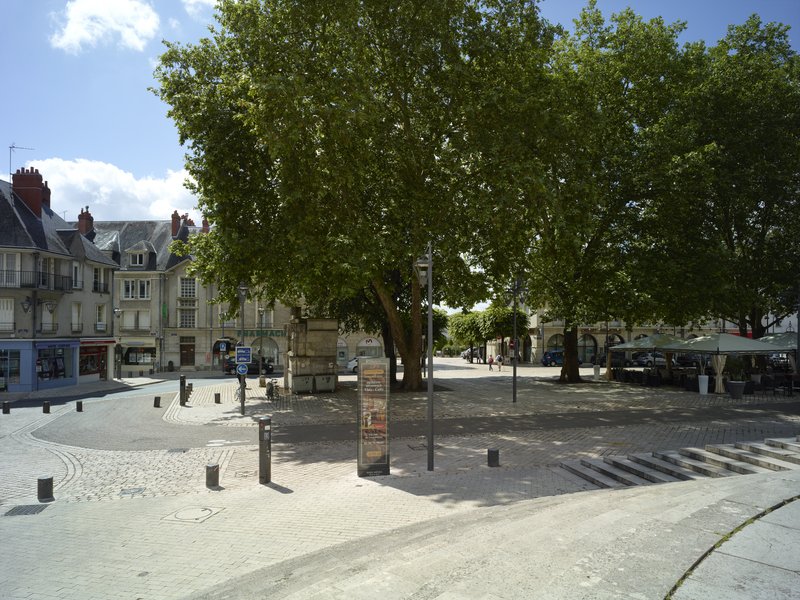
(244, 354)
(223, 346)
(241, 368)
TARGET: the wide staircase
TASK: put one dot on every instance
(715, 460)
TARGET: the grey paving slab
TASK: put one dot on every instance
(463, 531)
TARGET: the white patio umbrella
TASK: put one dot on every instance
(784, 342)
(718, 344)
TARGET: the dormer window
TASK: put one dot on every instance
(137, 259)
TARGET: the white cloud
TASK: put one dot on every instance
(196, 8)
(113, 194)
(91, 22)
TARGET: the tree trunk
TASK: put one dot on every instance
(569, 371)
(388, 351)
(408, 343)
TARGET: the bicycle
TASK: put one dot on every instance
(273, 390)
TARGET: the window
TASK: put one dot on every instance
(137, 260)
(9, 368)
(188, 287)
(77, 275)
(9, 273)
(100, 323)
(77, 317)
(187, 317)
(136, 289)
(139, 356)
(6, 314)
(43, 265)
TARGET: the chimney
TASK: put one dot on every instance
(205, 228)
(46, 195)
(27, 184)
(176, 223)
(85, 221)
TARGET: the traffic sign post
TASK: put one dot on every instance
(241, 369)
(244, 354)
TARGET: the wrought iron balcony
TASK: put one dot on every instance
(77, 327)
(100, 286)
(48, 328)
(100, 327)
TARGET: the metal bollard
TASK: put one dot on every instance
(6, 407)
(212, 475)
(217, 399)
(45, 489)
(494, 457)
(46, 406)
(265, 450)
(183, 390)
(157, 402)
(79, 406)
(189, 387)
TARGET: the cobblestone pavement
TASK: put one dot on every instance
(142, 524)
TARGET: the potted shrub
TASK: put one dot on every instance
(735, 377)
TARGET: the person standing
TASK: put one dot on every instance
(490, 361)
(499, 361)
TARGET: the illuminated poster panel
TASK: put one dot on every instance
(373, 417)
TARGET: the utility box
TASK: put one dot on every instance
(311, 356)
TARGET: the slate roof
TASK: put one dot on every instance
(118, 239)
(21, 229)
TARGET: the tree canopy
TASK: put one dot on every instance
(612, 171)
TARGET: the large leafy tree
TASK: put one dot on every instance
(319, 140)
(564, 162)
(734, 139)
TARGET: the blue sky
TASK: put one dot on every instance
(77, 74)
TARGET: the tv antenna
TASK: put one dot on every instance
(11, 149)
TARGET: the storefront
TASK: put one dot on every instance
(55, 364)
(139, 358)
(94, 362)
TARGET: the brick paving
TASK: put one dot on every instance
(142, 524)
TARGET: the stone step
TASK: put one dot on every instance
(591, 475)
(772, 451)
(792, 444)
(666, 467)
(641, 470)
(609, 470)
(753, 458)
(698, 466)
(731, 464)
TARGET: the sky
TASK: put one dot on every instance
(77, 106)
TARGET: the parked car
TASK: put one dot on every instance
(553, 358)
(352, 364)
(618, 359)
(475, 354)
(692, 360)
(252, 367)
(650, 359)
(779, 361)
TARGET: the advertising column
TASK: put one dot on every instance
(373, 417)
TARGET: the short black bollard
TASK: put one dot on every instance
(157, 402)
(45, 489)
(494, 457)
(6, 407)
(46, 406)
(79, 406)
(217, 399)
(183, 390)
(212, 475)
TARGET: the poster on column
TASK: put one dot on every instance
(373, 417)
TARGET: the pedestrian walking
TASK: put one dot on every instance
(490, 361)
(499, 361)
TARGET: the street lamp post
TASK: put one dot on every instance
(242, 378)
(260, 341)
(515, 354)
(424, 268)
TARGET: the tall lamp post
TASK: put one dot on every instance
(516, 290)
(260, 340)
(424, 268)
(242, 289)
